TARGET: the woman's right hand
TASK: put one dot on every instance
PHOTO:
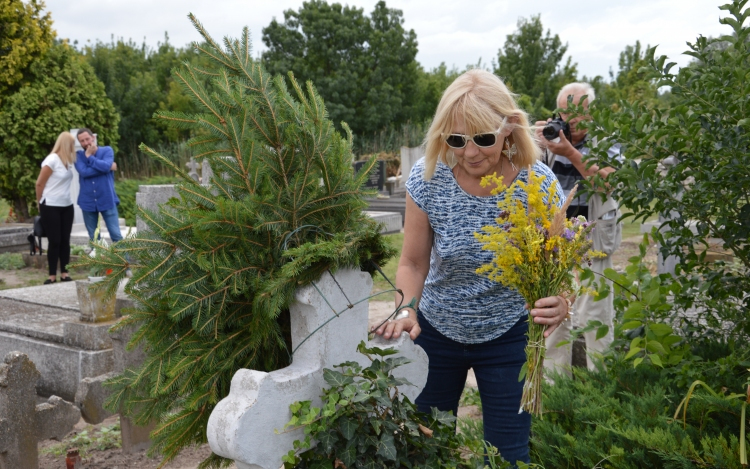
(394, 328)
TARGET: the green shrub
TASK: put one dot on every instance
(11, 261)
(365, 422)
(624, 418)
(688, 163)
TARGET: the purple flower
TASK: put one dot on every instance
(569, 234)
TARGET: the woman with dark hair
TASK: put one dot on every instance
(55, 204)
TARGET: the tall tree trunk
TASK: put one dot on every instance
(21, 208)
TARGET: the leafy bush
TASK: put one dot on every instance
(366, 423)
(11, 261)
(688, 164)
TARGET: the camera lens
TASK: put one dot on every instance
(552, 130)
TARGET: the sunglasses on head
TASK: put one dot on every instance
(484, 140)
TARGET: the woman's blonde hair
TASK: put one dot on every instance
(65, 147)
(483, 102)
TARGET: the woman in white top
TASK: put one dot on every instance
(55, 204)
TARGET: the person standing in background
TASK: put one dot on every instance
(95, 166)
(55, 204)
(567, 159)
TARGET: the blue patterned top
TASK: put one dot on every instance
(462, 305)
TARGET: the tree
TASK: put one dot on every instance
(631, 83)
(25, 34)
(59, 92)
(137, 79)
(529, 63)
(430, 87)
(688, 163)
(364, 67)
(216, 271)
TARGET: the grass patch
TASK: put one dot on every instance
(389, 269)
(89, 440)
(11, 261)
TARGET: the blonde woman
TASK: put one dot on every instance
(55, 204)
(462, 320)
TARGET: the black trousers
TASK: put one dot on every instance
(57, 223)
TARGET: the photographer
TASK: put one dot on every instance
(565, 146)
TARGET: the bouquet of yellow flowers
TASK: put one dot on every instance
(535, 251)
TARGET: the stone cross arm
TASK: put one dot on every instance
(248, 425)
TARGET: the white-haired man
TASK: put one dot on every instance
(566, 158)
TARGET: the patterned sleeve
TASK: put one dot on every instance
(416, 186)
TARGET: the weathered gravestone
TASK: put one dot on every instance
(23, 423)
(247, 426)
(192, 165)
(409, 157)
(377, 175)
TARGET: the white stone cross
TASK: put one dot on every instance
(247, 426)
(193, 166)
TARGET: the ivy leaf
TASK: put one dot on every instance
(386, 447)
(328, 439)
(442, 416)
(348, 427)
(336, 378)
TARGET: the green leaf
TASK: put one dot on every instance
(633, 310)
(656, 360)
(637, 362)
(631, 325)
(652, 296)
(348, 427)
(632, 352)
(601, 332)
(660, 329)
(386, 447)
(336, 379)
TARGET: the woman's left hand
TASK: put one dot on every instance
(551, 311)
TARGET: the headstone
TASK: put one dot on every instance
(134, 437)
(151, 197)
(90, 398)
(23, 423)
(18, 377)
(192, 165)
(247, 426)
(377, 175)
(409, 157)
(206, 173)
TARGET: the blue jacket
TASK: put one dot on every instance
(96, 180)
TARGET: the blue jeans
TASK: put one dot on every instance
(111, 219)
(496, 364)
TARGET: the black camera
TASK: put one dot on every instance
(552, 130)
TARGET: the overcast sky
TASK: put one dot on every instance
(457, 33)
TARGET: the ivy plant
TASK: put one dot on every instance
(365, 422)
